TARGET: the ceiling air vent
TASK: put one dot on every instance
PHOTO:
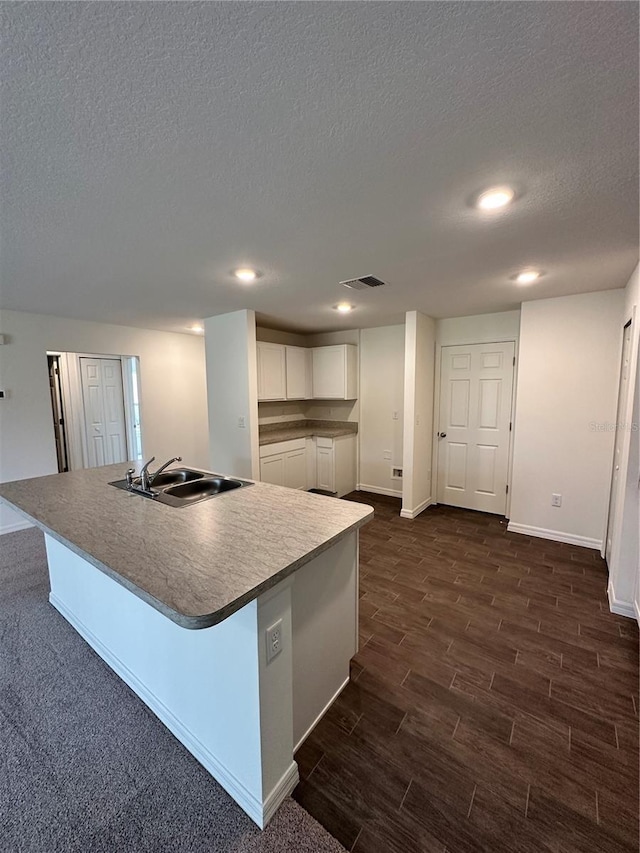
(363, 282)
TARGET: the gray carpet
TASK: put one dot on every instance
(84, 766)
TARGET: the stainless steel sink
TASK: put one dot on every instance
(184, 486)
(203, 488)
(175, 476)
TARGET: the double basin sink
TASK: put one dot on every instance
(183, 486)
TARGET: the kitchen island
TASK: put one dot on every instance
(182, 604)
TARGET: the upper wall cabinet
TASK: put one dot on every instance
(335, 372)
(298, 361)
(272, 378)
(299, 373)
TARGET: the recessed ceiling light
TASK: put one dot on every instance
(197, 327)
(495, 198)
(527, 276)
(343, 307)
(245, 274)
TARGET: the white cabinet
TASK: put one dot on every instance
(298, 363)
(335, 372)
(284, 464)
(299, 373)
(311, 463)
(272, 379)
(295, 468)
(272, 469)
(336, 464)
(325, 467)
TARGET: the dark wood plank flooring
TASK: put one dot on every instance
(493, 704)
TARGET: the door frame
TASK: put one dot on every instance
(492, 339)
(73, 402)
(634, 366)
(621, 417)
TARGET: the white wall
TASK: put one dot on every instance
(232, 391)
(419, 375)
(276, 336)
(624, 564)
(567, 381)
(172, 379)
(478, 329)
(278, 411)
(381, 394)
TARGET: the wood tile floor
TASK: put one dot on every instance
(494, 701)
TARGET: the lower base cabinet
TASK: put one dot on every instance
(284, 464)
(322, 463)
(325, 465)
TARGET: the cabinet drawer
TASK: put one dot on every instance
(282, 447)
(323, 442)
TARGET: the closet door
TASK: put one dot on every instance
(103, 403)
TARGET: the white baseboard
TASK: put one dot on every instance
(412, 513)
(280, 792)
(13, 528)
(377, 490)
(622, 608)
(257, 811)
(555, 535)
(321, 714)
(636, 610)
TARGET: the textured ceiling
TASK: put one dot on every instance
(150, 148)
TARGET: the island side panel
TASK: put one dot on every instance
(324, 614)
(276, 702)
(204, 685)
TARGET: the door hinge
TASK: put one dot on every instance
(514, 361)
(61, 421)
(507, 488)
(510, 425)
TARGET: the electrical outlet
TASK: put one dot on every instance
(386, 454)
(395, 416)
(274, 640)
(242, 423)
(556, 500)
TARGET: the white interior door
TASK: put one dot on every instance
(474, 434)
(103, 404)
(620, 417)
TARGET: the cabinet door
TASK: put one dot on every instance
(271, 371)
(272, 469)
(326, 478)
(329, 373)
(344, 449)
(295, 469)
(297, 373)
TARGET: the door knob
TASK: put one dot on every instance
(442, 435)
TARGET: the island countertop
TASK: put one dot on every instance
(198, 564)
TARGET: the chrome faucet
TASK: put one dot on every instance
(146, 479)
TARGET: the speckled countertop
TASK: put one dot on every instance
(289, 430)
(197, 564)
